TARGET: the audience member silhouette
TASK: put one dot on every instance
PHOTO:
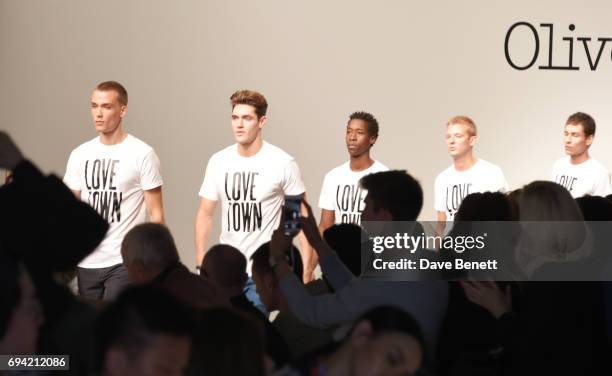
(345, 239)
(225, 266)
(558, 327)
(20, 311)
(146, 331)
(392, 196)
(227, 342)
(383, 341)
(150, 256)
(300, 338)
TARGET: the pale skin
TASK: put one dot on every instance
(460, 144)
(247, 128)
(576, 143)
(107, 113)
(358, 143)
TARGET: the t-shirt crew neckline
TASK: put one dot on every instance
(99, 142)
(365, 169)
(469, 169)
(569, 160)
(264, 145)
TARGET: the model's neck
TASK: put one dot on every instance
(581, 158)
(249, 150)
(114, 138)
(361, 162)
(464, 162)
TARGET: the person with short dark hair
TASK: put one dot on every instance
(578, 172)
(342, 197)
(346, 240)
(426, 300)
(119, 176)
(145, 331)
(250, 178)
(224, 266)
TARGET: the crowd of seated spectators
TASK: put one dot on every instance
(171, 321)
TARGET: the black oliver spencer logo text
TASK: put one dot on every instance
(592, 48)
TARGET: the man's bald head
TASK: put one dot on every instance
(225, 265)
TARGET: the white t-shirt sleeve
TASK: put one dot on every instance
(209, 190)
(439, 194)
(71, 178)
(503, 183)
(326, 199)
(602, 184)
(292, 180)
(150, 172)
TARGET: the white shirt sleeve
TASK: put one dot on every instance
(602, 184)
(71, 178)
(292, 180)
(503, 183)
(209, 190)
(150, 172)
(439, 195)
(326, 199)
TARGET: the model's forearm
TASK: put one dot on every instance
(202, 232)
(157, 215)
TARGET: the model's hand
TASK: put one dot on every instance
(488, 295)
(10, 156)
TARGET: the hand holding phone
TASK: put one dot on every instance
(292, 214)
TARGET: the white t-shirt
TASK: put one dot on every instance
(251, 190)
(342, 194)
(587, 178)
(451, 186)
(112, 179)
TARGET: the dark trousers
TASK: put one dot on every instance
(102, 283)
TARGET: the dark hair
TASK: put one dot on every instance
(587, 122)
(387, 318)
(138, 314)
(252, 98)
(595, 208)
(10, 292)
(227, 342)
(395, 191)
(369, 119)
(261, 261)
(117, 88)
(485, 206)
(230, 265)
(345, 239)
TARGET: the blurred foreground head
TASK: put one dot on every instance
(20, 311)
(384, 341)
(146, 331)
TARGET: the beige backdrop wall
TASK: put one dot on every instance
(412, 64)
